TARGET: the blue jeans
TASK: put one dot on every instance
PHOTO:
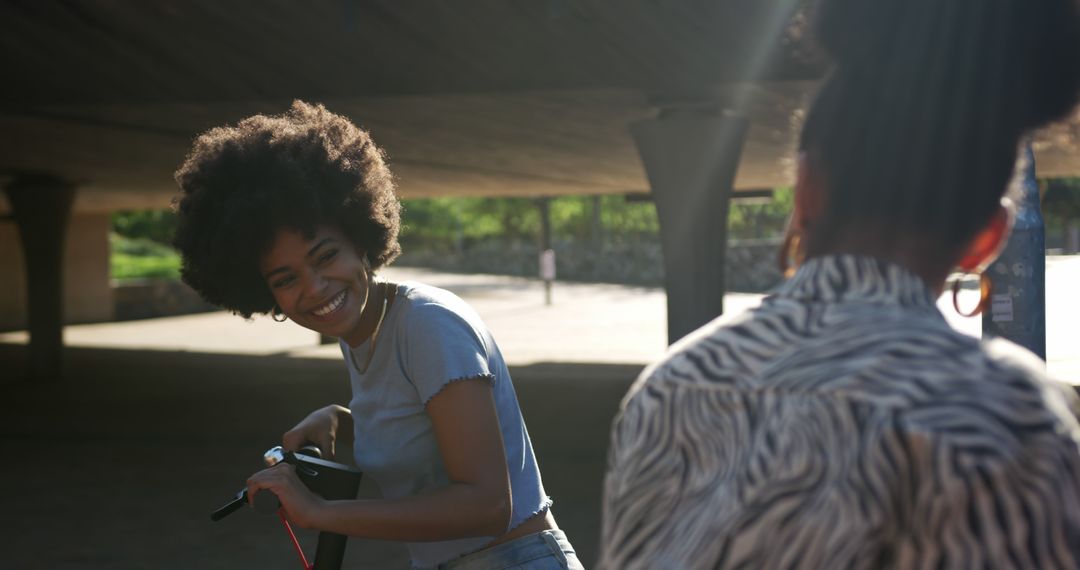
(546, 550)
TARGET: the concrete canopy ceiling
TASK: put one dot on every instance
(472, 97)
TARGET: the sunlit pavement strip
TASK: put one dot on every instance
(587, 323)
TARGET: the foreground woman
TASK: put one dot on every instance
(844, 424)
(293, 215)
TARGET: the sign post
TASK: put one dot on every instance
(1018, 298)
(547, 272)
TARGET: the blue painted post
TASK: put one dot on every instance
(1018, 299)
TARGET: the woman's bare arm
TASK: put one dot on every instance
(476, 502)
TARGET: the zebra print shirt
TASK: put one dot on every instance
(843, 424)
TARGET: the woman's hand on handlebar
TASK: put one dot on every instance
(298, 503)
(321, 428)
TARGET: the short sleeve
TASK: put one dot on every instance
(443, 346)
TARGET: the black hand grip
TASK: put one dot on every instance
(332, 481)
(266, 502)
(230, 507)
(310, 451)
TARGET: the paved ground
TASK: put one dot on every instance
(159, 421)
(120, 465)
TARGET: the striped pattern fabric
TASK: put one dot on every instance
(843, 424)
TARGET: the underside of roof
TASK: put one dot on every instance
(471, 97)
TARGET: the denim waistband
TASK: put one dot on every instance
(517, 551)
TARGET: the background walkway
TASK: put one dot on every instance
(587, 323)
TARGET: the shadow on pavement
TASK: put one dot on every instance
(120, 464)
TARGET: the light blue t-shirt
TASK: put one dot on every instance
(430, 338)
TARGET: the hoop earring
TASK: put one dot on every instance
(985, 288)
(788, 258)
(276, 312)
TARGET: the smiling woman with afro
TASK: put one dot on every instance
(241, 183)
(292, 215)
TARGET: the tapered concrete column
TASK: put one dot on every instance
(691, 156)
(41, 205)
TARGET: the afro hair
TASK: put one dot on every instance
(299, 170)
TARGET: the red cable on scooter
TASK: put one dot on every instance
(295, 543)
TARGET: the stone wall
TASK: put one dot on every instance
(148, 298)
(751, 265)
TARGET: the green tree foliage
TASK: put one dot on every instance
(761, 219)
(443, 223)
(620, 216)
(140, 245)
(446, 223)
(155, 225)
(1061, 210)
(140, 241)
(137, 258)
(1062, 199)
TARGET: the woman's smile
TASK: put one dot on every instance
(330, 309)
(318, 280)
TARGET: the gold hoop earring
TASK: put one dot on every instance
(276, 312)
(788, 258)
(985, 288)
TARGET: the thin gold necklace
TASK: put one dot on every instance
(374, 338)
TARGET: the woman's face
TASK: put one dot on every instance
(320, 283)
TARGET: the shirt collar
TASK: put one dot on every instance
(835, 278)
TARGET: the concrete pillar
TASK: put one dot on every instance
(41, 206)
(12, 276)
(88, 297)
(691, 156)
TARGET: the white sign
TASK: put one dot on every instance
(547, 265)
(1001, 308)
